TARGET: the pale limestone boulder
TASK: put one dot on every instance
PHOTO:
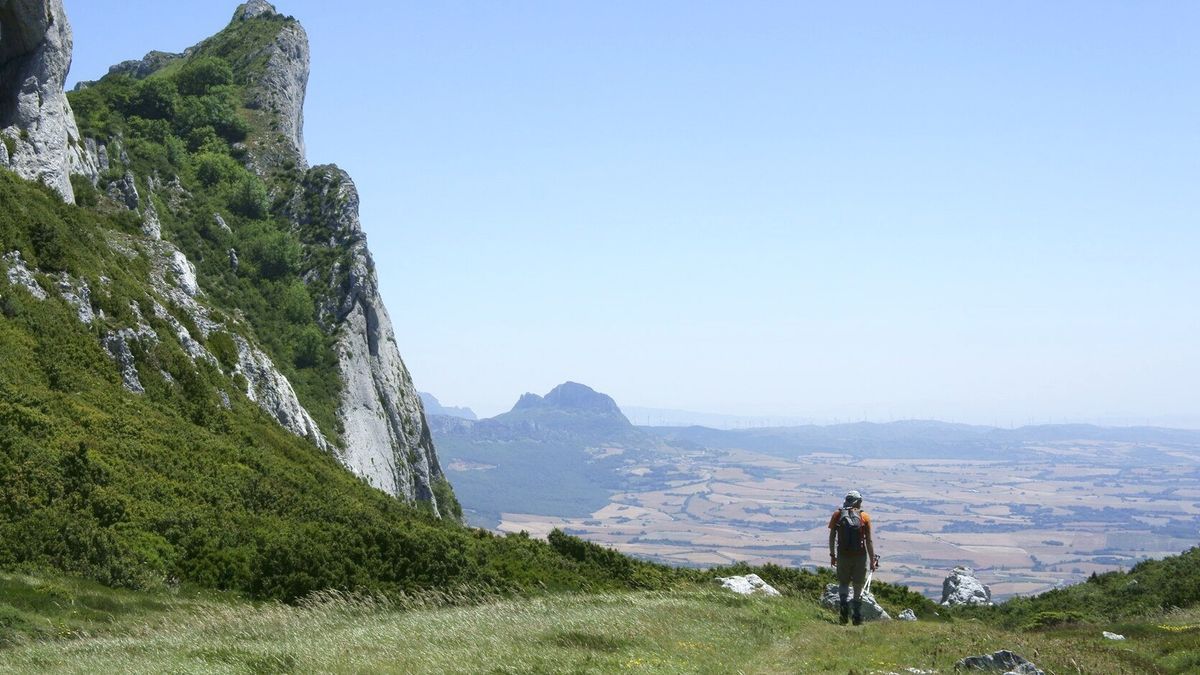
(749, 584)
(962, 588)
(871, 609)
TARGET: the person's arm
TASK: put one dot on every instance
(833, 546)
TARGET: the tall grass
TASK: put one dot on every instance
(698, 630)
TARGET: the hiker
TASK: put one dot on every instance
(851, 551)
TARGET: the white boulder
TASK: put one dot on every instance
(962, 588)
(750, 584)
(1004, 661)
(871, 609)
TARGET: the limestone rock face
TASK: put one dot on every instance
(282, 88)
(35, 118)
(750, 584)
(962, 588)
(386, 438)
(871, 609)
(267, 387)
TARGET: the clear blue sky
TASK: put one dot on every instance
(973, 211)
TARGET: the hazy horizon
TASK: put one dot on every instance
(979, 213)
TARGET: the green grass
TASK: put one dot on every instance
(689, 630)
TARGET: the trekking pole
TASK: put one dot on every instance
(870, 575)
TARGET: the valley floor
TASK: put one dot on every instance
(699, 630)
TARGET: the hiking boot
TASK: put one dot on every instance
(858, 613)
(845, 617)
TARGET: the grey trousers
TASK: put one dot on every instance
(851, 569)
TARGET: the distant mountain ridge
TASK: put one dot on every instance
(556, 453)
(434, 407)
(571, 412)
(571, 396)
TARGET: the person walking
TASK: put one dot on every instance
(851, 551)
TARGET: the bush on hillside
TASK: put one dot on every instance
(1149, 588)
(217, 110)
(248, 197)
(154, 99)
(201, 74)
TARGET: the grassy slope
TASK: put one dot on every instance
(691, 629)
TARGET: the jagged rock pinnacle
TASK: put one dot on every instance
(252, 9)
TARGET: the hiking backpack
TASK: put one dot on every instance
(850, 531)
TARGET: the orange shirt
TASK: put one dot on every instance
(837, 514)
(866, 521)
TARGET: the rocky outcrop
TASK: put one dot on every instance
(267, 387)
(871, 609)
(253, 10)
(907, 615)
(962, 588)
(1003, 661)
(77, 294)
(750, 584)
(281, 89)
(19, 275)
(125, 192)
(145, 66)
(150, 223)
(386, 438)
(40, 137)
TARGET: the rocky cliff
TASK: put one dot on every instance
(40, 138)
(259, 265)
(386, 438)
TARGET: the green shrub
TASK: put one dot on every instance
(248, 197)
(213, 169)
(222, 346)
(296, 303)
(85, 193)
(309, 347)
(205, 140)
(154, 98)
(203, 73)
(447, 501)
(218, 111)
(1053, 618)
